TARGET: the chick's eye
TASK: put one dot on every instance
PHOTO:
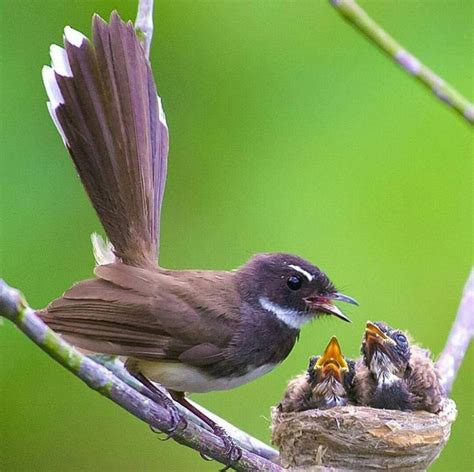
(401, 338)
(294, 282)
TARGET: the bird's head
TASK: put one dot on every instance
(386, 351)
(331, 374)
(294, 290)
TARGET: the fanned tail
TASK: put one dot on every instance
(103, 101)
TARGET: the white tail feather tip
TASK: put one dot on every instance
(74, 37)
(60, 61)
(52, 89)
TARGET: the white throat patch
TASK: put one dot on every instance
(309, 276)
(384, 369)
(293, 318)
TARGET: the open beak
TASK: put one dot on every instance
(373, 334)
(332, 361)
(324, 304)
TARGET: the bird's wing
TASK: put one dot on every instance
(135, 312)
(103, 101)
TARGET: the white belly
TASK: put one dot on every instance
(186, 378)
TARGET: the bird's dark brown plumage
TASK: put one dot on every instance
(190, 330)
(148, 313)
(117, 136)
(198, 318)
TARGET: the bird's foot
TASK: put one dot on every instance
(178, 421)
(232, 451)
(178, 424)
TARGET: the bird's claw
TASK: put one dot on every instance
(158, 431)
(206, 458)
(178, 423)
(233, 452)
(234, 456)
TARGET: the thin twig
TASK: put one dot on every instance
(352, 12)
(459, 338)
(101, 379)
(144, 23)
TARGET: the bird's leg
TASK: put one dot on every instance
(159, 397)
(233, 452)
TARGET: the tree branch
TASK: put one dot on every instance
(104, 381)
(353, 13)
(459, 338)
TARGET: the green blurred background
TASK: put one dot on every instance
(289, 132)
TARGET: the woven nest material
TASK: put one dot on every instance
(361, 438)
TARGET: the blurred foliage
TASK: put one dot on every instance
(289, 132)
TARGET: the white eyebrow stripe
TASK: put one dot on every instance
(309, 276)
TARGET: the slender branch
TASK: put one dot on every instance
(352, 12)
(144, 23)
(101, 379)
(459, 338)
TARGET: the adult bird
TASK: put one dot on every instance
(328, 382)
(189, 330)
(396, 374)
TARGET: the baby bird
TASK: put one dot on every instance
(393, 374)
(327, 383)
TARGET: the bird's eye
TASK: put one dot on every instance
(401, 338)
(294, 282)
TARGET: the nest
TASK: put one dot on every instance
(361, 438)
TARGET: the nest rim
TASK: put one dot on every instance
(371, 438)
